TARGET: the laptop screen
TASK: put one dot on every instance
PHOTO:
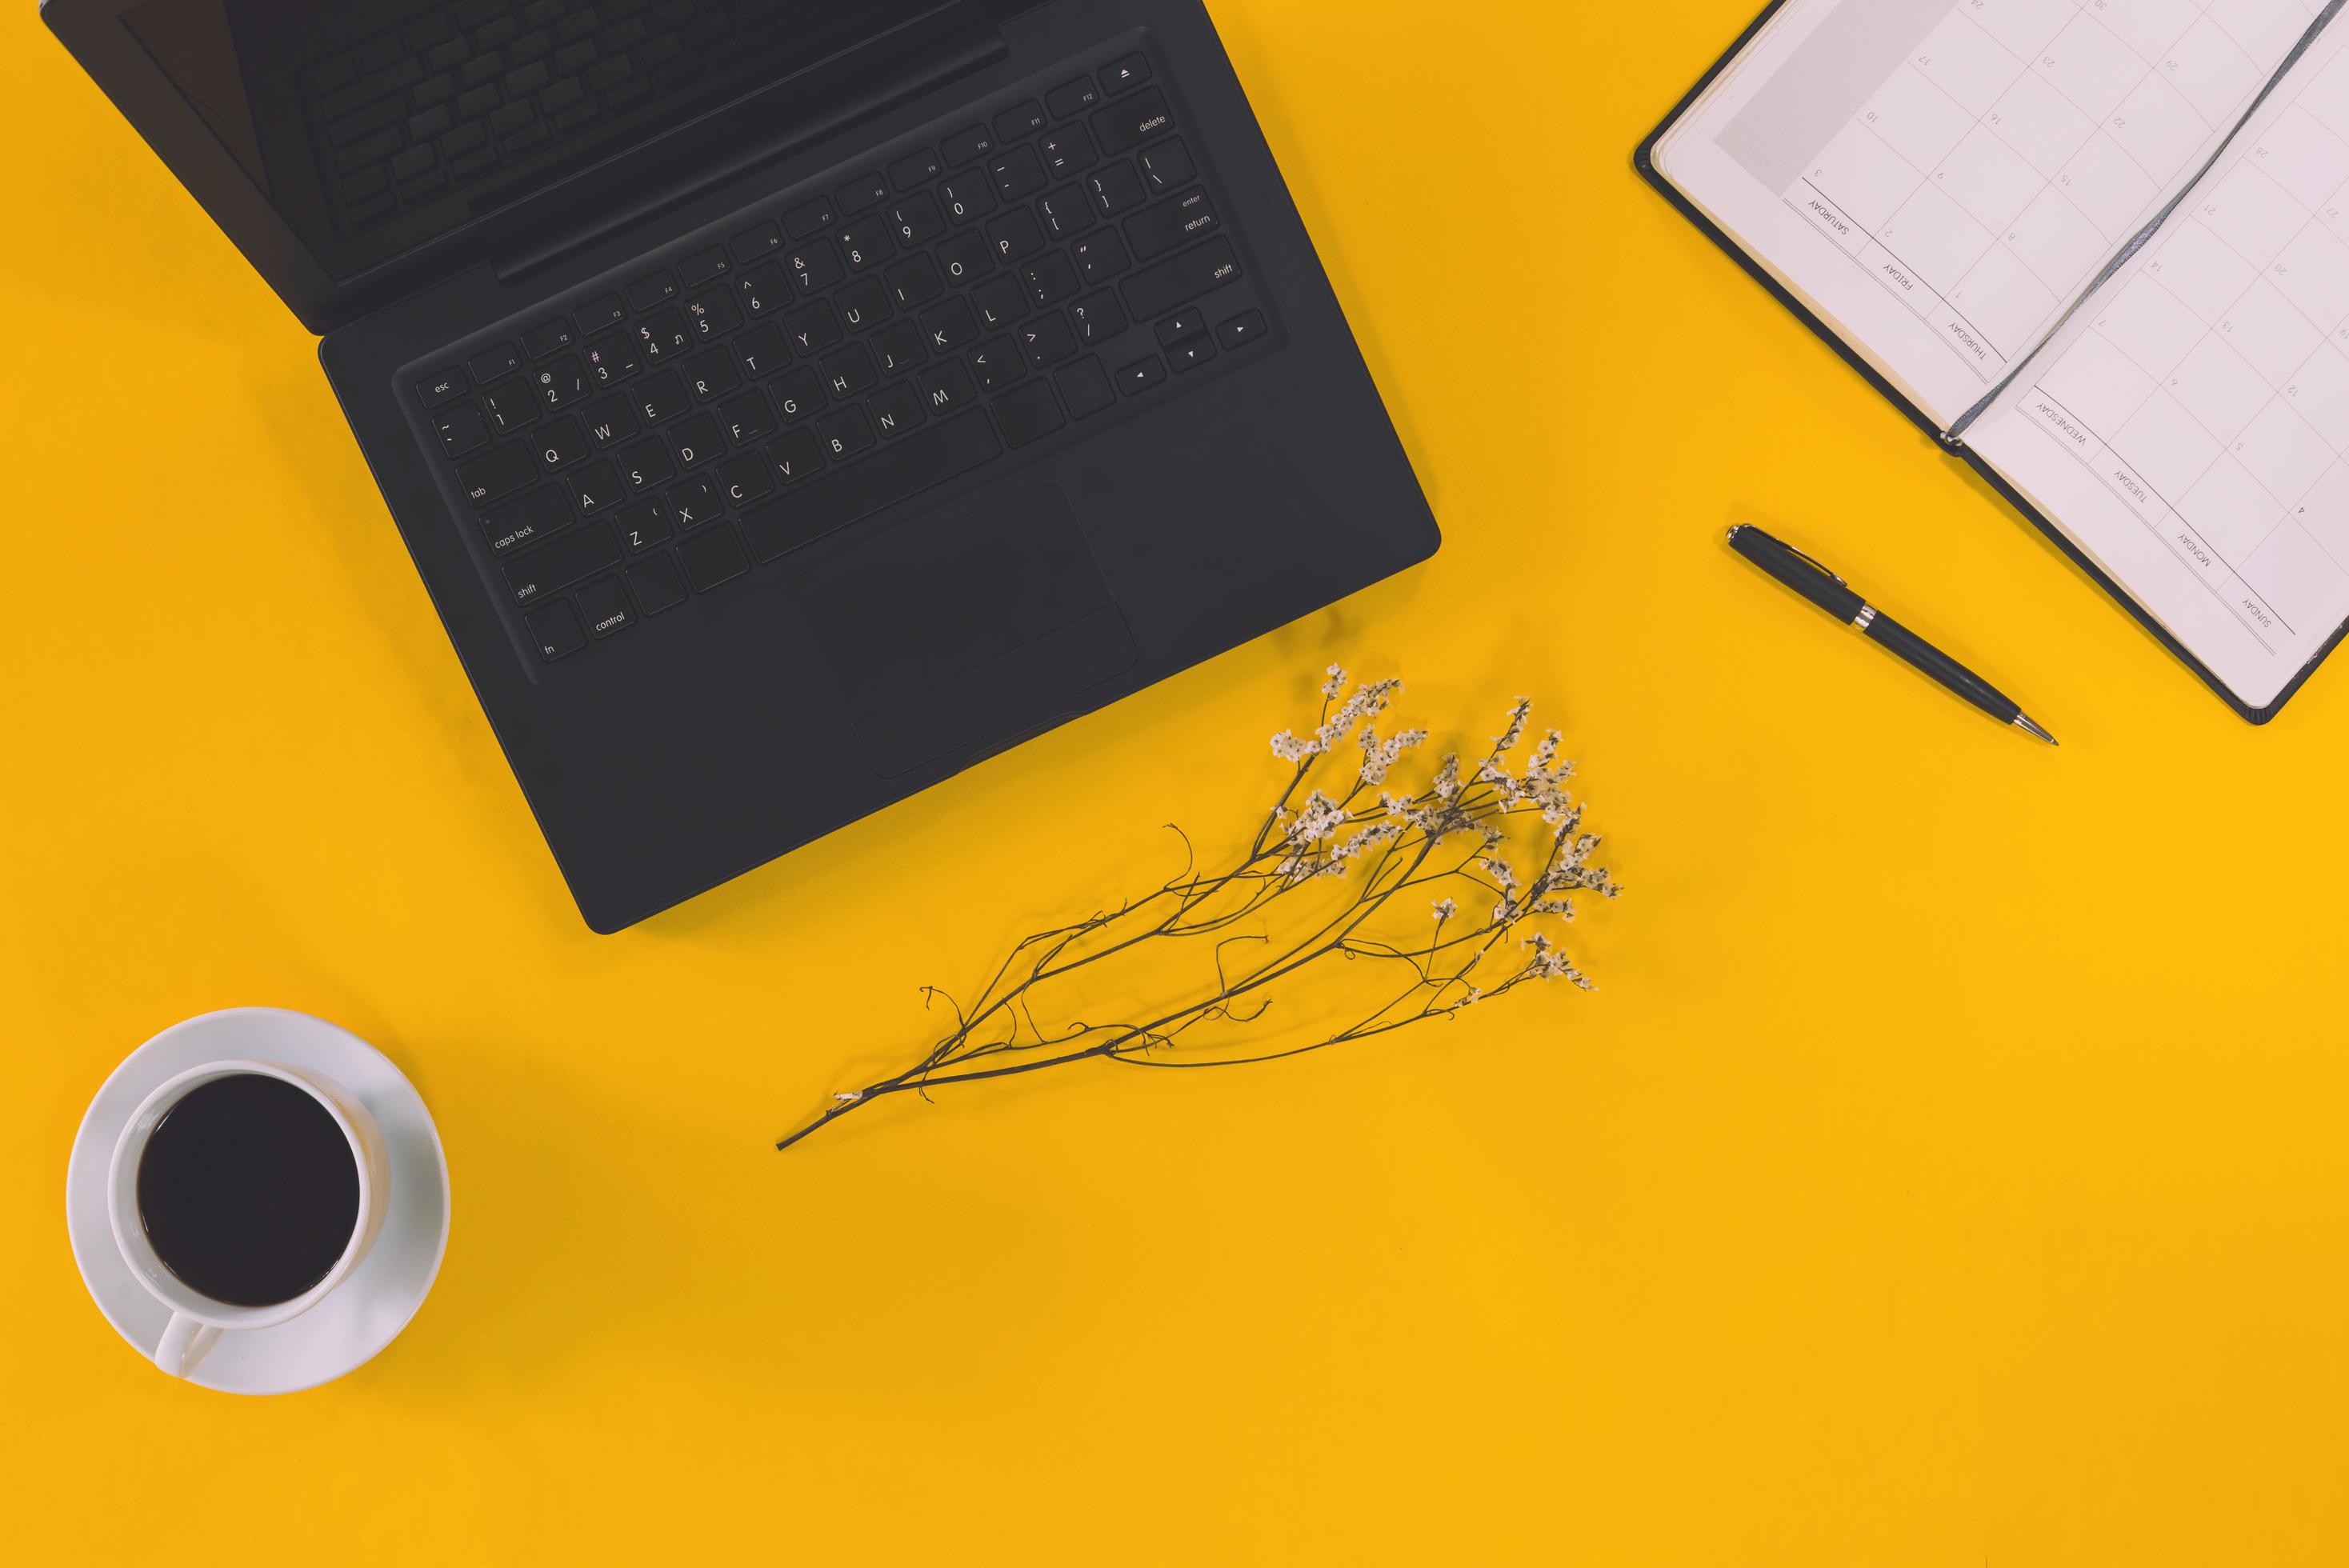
(372, 130)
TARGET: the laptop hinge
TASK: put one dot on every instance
(940, 60)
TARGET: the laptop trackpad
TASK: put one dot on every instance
(963, 624)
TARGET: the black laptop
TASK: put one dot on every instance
(789, 404)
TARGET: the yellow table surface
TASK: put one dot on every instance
(1948, 1170)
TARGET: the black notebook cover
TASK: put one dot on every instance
(1644, 160)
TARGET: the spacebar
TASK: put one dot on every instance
(904, 467)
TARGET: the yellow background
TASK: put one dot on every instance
(1949, 1170)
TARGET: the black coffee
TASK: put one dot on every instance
(248, 1190)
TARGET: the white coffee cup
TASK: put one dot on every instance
(197, 1320)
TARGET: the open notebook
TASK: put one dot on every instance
(2101, 248)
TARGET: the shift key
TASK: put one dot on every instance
(1156, 291)
(562, 563)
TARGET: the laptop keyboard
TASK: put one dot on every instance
(951, 305)
(468, 91)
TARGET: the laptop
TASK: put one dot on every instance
(789, 404)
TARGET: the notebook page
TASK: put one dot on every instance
(2190, 431)
(1940, 179)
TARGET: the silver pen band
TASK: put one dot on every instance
(1866, 618)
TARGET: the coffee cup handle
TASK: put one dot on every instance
(184, 1343)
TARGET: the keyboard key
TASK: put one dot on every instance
(1241, 330)
(1141, 375)
(1000, 302)
(762, 289)
(1184, 357)
(703, 266)
(559, 444)
(609, 421)
(1067, 212)
(1130, 72)
(915, 282)
(866, 244)
(614, 357)
(917, 220)
(556, 632)
(1020, 121)
(1180, 326)
(1100, 257)
(695, 502)
(662, 398)
(1067, 152)
(1098, 318)
(846, 433)
(1171, 223)
(1085, 388)
(657, 584)
(1050, 278)
(644, 465)
(712, 558)
(541, 512)
(899, 347)
(606, 605)
(746, 478)
(968, 196)
(950, 327)
(562, 384)
(594, 489)
(762, 350)
(650, 291)
(808, 511)
(796, 456)
(1116, 188)
(1133, 122)
(809, 217)
(850, 372)
(555, 567)
(1019, 174)
(997, 363)
(489, 364)
(966, 258)
(754, 242)
(511, 405)
(698, 440)
(711, 315)
(862, 305)
(814, 265)
(712, 374)
(442, 387)
(1047, 340)
(501, 470)
(1159, 288)
(898, 409)
(967, 145)
(1166, 166)
(1028, 413)
(664, 335)
(948, 386)
(863, 193)
(1017, 235)
(641, 524)
(1071, 97)
(916, 168)
(812, 328)
(463, 429)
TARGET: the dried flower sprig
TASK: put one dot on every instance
(1375, 852)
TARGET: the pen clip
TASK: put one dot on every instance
(1813, 562)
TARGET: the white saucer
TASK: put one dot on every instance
(364, 1314)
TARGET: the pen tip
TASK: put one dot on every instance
(2022, 721)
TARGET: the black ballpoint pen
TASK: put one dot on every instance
(1833, 594)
